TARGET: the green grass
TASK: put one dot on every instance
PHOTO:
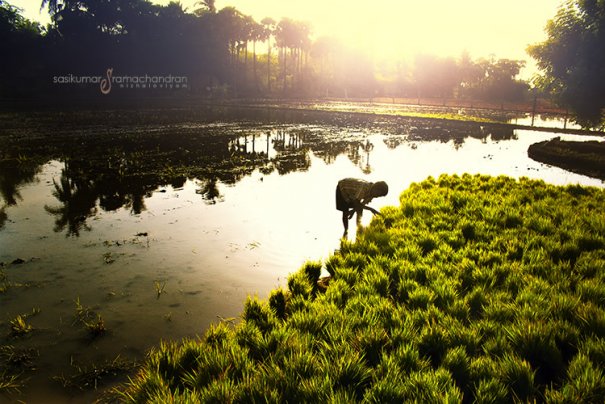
(92, 322)
(475, 288)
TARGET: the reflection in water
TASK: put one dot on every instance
(78, 201)
(12, 175)
(3, 217)
(367, 148)
(211, 255)
(209, 191)
(122, 170)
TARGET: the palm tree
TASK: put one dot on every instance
(246, 34)
(293, 35)
(205, 7)
(256, 34)
(284, 35)
(230, 21)
(267, 32)
(325, 50)
(53, 6)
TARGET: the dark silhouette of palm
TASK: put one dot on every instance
(210, 192)
(77, 204)
(205, 6)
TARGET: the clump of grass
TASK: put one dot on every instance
(93, 376)
(96, 327)
(480, 288)
(258, 313)
(10, 383)
(278, 302)
(13, 363)
(19, 326)
(160, 288)
(17, 359)
(82, 312)
(518, 376)
(312, 270)
(92, 322)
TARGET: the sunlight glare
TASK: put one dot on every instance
(387, 29)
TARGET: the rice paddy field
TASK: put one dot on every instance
(194, 254)
(474, 288)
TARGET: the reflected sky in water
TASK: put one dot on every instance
(216, 212)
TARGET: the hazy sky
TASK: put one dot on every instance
(387, 28)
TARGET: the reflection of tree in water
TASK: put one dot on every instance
(367, 148)
(78, 199)
(3, 217)
(116, 182)
(123, 169)
(292, 151)
(209, 191)
(457, 133)
(12, 176)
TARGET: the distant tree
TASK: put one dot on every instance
(257, 33)
(325, 51)
(471, 75)
(572, 59)
(435, 76)
(267, 32)
(294, 36)
(231, 25)
(499, 82)
(11, 22)
(21, 45)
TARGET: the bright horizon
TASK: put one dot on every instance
(392, 30)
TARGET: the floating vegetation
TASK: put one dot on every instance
(92, 377)
(13, 363)
(475, 289)
(10, 383)
(96, 327)
(19, 326)
(108, 258)
(83, 313)
(18, 359)
(92, 322)
(159, 288)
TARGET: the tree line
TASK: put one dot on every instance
(222, 52)
(225, 53)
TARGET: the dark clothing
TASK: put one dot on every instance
(350, 190)
(341, 204)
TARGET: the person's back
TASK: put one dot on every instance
(353, 195)
(354, 189)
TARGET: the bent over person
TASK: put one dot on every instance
(353, 196)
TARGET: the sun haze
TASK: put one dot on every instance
(394, 29)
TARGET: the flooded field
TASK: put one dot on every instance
(121, 229)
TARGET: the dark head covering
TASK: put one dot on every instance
(380, 188)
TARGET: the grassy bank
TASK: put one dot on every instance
(587, 158)
(474, 288)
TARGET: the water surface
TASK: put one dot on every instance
(207, 211)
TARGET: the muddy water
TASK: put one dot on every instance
(163, 231)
